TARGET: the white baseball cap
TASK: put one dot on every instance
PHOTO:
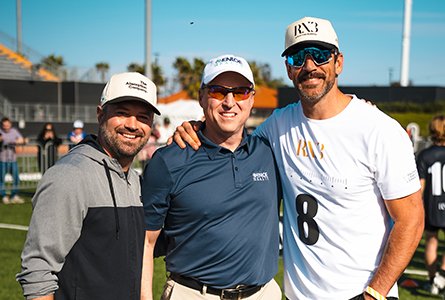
(78, 124)
(226, 63)
(310, 30)
(130, 86)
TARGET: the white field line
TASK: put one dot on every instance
(12, 226)
(25, 177)
(416, 272)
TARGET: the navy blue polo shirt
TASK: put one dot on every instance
(219, 210)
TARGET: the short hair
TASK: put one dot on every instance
(437, 129)
(4, 119)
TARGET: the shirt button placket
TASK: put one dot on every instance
(236, 172)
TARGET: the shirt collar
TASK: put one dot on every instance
(213, 149)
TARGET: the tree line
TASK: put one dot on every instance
(188, 72)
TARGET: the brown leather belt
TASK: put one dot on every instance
(239, 292)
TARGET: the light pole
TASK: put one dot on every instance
(148, 39)
(404, 73)
(19, 25)
(390, 76)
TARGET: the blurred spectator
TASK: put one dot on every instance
(10, 137)
(413, 131)
(165, 131)
(48, 144)
(430, 164)
(75, 136)
(146, 153)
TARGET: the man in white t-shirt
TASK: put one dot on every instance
(353, 214)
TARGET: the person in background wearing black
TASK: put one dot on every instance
(48, 144)
(430, 164)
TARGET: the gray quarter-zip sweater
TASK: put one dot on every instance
(86, 234)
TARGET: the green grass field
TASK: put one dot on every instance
(11, 243)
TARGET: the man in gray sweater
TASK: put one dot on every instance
(86, 235)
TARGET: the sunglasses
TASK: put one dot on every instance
(319, 56)
(220, 92)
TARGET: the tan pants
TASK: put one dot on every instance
(176, 291)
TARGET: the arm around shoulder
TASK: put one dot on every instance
(186, 133)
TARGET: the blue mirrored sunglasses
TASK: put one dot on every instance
(319, 56)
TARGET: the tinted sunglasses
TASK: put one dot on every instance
(220, 92)
(319, 56)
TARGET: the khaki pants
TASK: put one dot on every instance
(176, 291)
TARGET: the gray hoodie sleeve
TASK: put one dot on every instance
(59, 207)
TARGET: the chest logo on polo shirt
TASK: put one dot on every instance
(260, 176)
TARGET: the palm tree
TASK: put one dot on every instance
(256, 71)
(135, 67)
(53, 63)
(102, 68)
(158, 76)
(263, 75)
(189, 75)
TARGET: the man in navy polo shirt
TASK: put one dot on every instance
(218, 206)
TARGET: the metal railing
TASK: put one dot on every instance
(48, 112)
(31, 167)
(32, 160)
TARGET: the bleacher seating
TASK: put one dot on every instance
(9, 70)
(15, 66)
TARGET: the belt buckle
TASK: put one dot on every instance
(232, 293)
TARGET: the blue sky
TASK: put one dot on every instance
(370, 33)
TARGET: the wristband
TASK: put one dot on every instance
(376, 295)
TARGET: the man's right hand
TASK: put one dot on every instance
(186, 133)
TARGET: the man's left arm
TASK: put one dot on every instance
(408, 216)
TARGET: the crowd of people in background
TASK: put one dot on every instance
(48, 144)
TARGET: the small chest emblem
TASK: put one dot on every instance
(262, 176)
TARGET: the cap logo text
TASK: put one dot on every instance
(309, 27)
(227, 59)
(142, 86)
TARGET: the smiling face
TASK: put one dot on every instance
(314, 82)
(124, 128)
(225, 118)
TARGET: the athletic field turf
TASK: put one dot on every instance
(12, 239)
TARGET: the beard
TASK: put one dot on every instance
(309, 93)
(119, 148)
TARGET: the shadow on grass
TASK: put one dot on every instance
(419, 288)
